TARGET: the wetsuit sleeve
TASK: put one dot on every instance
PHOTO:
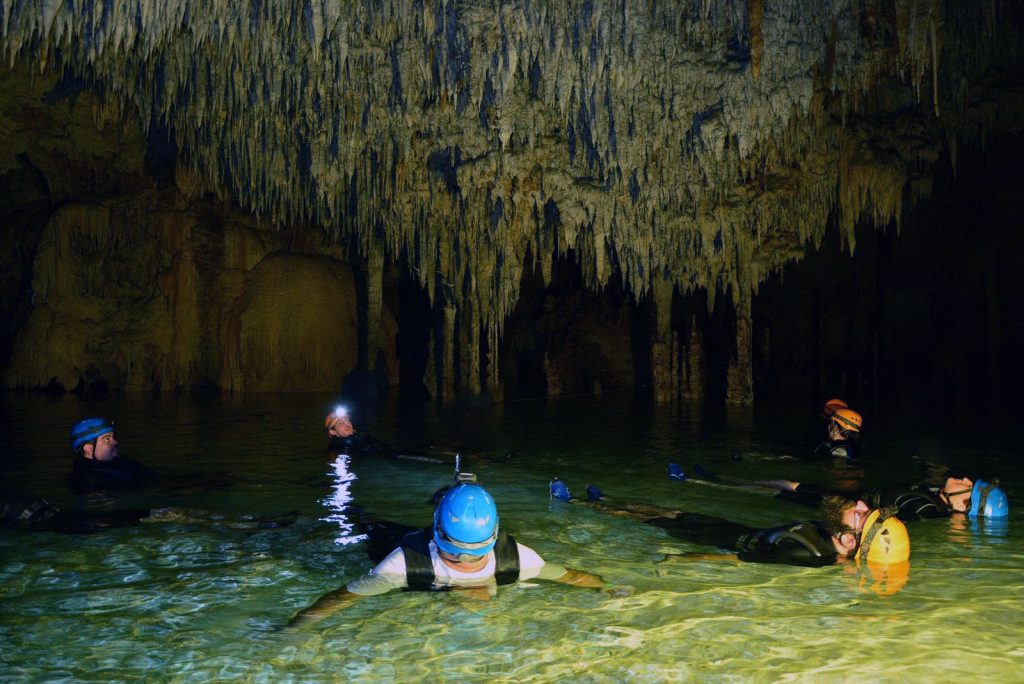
(531, 566)
(805, 495)
(787, 553)
(804, 544)
(913, 503)
(387, 576)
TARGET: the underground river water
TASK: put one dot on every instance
(196, 593)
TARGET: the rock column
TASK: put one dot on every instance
(693, 369)
(740, 388)
(661, 361)
(375, 307)
(448, 354)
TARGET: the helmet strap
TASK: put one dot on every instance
(876, 527)
(983, 496)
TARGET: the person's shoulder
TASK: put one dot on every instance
(393, 563)
(528, 557)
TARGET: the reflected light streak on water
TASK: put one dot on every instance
(340, 502)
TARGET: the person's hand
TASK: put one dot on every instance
(338, 426)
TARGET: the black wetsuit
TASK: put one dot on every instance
(89, 475)
(913, 502)
(820, 448)
(798, 543)
(19, 511)
(360, 442)
(826, 449)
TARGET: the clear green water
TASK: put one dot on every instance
(195, 601)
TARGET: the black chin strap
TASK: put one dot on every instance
(983, 496)
(876, 527)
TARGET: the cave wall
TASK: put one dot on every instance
(693, 146)
(119, 281)
(928, 317)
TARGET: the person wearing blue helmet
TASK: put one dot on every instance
(987, 500)
(97, 463)
(957, 494)
(464, 548)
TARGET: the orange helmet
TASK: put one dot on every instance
(847, 419)
(831, 405)
(884, 539)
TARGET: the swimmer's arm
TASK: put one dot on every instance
(387, 576)
(324, 607)
(675, 557)
(579, 578)
(629, 509)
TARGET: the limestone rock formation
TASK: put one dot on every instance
(693, 146)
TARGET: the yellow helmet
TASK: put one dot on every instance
(832, 405)
(884, 539)
(847, 419)
(885, 578)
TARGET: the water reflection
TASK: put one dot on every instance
(884, 579)
(340, 502)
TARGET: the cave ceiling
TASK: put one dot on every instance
(693, 145)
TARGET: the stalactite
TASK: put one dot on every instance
(755, 19)
(648, 140)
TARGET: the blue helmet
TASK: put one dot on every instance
(466, 521)
(89, 429)
(989, 500)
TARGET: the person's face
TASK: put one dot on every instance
(341, 426)
(463, 561)
(854, 516)
(105, 448)
(836, 433)
(957, 492)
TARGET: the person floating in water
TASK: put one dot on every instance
(20, 511)
(97, 463)
(464, 548)
(842, 433)
(338, 424)
(343, 436)
(27, 513)
(848, 529)
(974, 498)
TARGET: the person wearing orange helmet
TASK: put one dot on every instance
(842, 433)
(830, 407)
(343, 435)
(833, 539)
(338, 424)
